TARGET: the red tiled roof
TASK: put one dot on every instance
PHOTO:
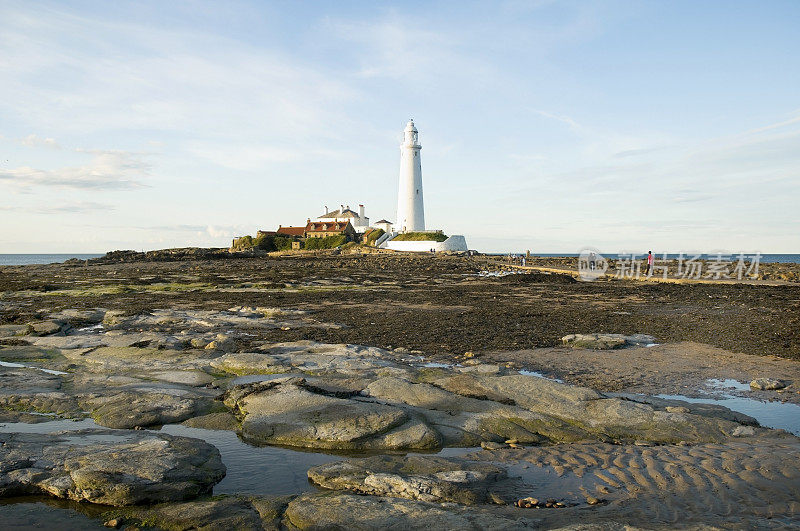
(326, 226)
(291, 231)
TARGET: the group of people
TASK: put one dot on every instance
(593, 262)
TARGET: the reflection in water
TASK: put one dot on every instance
(727, 384)
(38, 512)
(538, 374)
(251, 469)
(778, 415)
(256, 470)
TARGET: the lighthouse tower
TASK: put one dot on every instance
(410, 209)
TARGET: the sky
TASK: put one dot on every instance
(547, 126)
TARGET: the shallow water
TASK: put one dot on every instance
(37, 512)
(538, 374)
(437, 365)
(727, 384)
(257, 470)
(251, 469)
(21, 366)
(543, 482)
(778, 415)
(93, 329)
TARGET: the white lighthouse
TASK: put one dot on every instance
(410, 208)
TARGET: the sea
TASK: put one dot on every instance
(765, 258)
(26, 259)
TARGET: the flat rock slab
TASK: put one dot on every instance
(27, 353)
(194, 378)
(309, 356)
(396, 414)
(11, 330)
(424, 478)
(129, 409)
(220, 512)
(29, 380)
(108, 467)
(290, 412)
(348, 511)
(607, 341)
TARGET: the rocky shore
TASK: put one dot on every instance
(427, 395)
(767, 271)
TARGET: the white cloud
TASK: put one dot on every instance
(79, 207)
(392, 47)
(33, 140)
(155, 79)
(107, 170)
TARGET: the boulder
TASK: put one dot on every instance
(344, 359)
(44, 402)
(222, 343)
(249, 363)
(594, 341)
(597, 416)
(114, 318)
(348, 511)
(45, 328)
(225, 512)
(76, 316)
(108, 467)
(768, 384)
(287, 411)
(129, 409)
(28, 353)
(425, 478)
(213, 421)
(193, 378)
(607, 341)
(11, 330)
(422, 395)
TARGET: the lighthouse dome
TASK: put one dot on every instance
(411, 127)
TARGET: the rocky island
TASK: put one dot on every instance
(368, 389)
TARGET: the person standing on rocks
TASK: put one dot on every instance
(649, 263)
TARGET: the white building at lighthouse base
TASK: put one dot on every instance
(455, 243)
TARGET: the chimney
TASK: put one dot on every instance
(361, 211)
(326, 209)
(341, 208)
(348, 207)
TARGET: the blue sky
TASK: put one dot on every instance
(550, 126)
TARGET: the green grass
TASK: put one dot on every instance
(328, 242)
(420, 237)
(374, 235)
(264, 242)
